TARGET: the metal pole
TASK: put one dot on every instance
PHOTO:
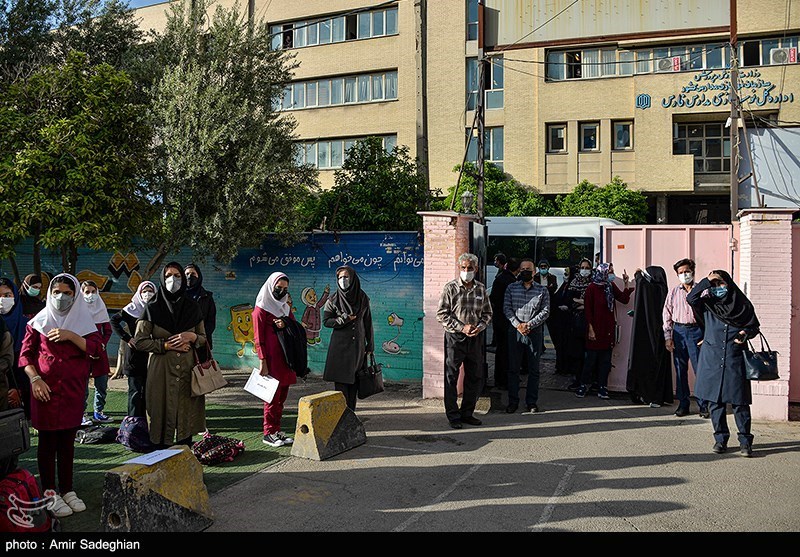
(479, 110)
(734, 131)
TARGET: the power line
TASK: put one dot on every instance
(618, 62)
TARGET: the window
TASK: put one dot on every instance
(643, 58)
(472, 20)
(324, 93)
(311, 93)
(340, 90)
(325, 31)
(337, 91)
(695, 61)
(391, 85)
(623, 135)
(555, 66)
(338, 27)
(626, 65)
(350, 90)
(377, 87)
(331, 153)
(766, 46)
(714, 56)
(391, 21)
(299, 96)
(573, 64)
(351, 27)
(364, 20)
(276, 35)
(492, 146)
(299, 34)
(591, 63)
(312, 34)
(493, 79)
(609, 59)
(589, 137)
(751, 53)
(557, 138)
(560, 251)
(377, 23)
(708, 142)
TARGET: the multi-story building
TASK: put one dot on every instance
(574, 90)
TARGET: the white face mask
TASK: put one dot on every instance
(173, 284)
(344, 283)
(147, 296)
(586, 272)
(6, 304)
(467, 276)
(90, 298)
(63, 301)
(686, 278)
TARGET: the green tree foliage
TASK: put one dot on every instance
(612, 201)
(74, 147)
(374, 190)
(225, 159)
(503, 196)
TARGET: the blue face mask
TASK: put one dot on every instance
(611, 277)
(719, 291)
(544, 272)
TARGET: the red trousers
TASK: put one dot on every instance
(274, 410)
(59, 443)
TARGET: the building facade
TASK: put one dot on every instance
(574, 90)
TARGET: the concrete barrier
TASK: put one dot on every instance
(326, 427)
(168, 496)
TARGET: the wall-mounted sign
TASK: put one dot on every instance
(711, 88)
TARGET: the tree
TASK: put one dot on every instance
(24, 35)
(612, 201)
(503, 196)
(72, 157)
(224, 158)
(374, 190)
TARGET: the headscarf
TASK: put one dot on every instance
(197, 290)
(600, 278)
(31, 304)
(735, 308)
(98, 307)
(267, 302)
(15, 320)
(78, 318)
(349, 301)
(173, 311)
(580, 283)
(137, 304)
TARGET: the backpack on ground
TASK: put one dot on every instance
(134, 435)
(97, 434)
(216, 449)
(22, 508)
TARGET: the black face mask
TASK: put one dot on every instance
(278, 293)
(526, 276)
(191, 281)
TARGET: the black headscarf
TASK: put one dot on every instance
(734, 309)
(173, 311)
(31, 305)
(196, 291)
(350, 301)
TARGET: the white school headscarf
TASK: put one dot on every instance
(78, 318)
(137, 304)
(97, 308)
(267, 301)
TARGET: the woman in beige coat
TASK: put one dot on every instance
(171, 329)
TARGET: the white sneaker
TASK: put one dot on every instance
(273, 440)
(58, 507)
(76, 504)
(286, 440)
(86, 421)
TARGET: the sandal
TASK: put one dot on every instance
(76, 504)
(58, 507)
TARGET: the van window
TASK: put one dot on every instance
(559, 251)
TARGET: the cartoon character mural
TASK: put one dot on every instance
(312, 317)
(242, 326)
(390, 346)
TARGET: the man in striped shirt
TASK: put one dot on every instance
(464, 311)
(682, 333)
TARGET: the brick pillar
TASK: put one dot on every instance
(765, 276)
(446, 237)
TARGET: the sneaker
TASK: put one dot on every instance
(602, 393)
(704, 413)
(102, 418)
(76, 504)
(719, 448)
(286, 440)
(581, 392)
(574, 386)
(273, 440)
(655, 405)
(87, 420)
(746, 450)
(533, 409)
(58, 507)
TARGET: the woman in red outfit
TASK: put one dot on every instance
(599, 301)
(270, 312)
(59, 343)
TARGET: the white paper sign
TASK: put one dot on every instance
(261, 386)
(151, 458)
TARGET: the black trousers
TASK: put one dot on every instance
(469, 352)
(719, 419)
(350, 393)
(501, 328)
(136, 402)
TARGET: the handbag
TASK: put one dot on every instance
(216, 449)
(14, 433)
(206, 376)
(761, 365)
(370, 378)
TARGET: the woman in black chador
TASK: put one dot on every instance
(649, 366)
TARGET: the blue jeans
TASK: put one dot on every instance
(719, 420)
(100, 390)
(686, 350)
(518, 345)
(600, 359)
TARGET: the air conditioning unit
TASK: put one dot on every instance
(779, 56)
(669, 64)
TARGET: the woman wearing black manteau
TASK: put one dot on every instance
(730, 319)
(195, 291)
(347, 312)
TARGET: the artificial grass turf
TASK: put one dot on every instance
(92, 461)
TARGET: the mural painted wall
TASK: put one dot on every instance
(388, 263)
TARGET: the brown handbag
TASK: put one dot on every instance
(206, 376)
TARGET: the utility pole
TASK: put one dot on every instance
(479, 109)
(734, 131)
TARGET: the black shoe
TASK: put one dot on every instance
(704, 413)
(471, 420)
(511, 408)
(681, 412)
(456, 424)
(746, 450)
(719, 448)
(533, 409)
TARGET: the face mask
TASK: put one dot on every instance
(586, 272)
(63, 301)
(686, 278)
(467, 276)
(5, 305)
(32, 291)
(147, 296)
(611, 277)
(191, 280)
(90, 298)
(544, 272)
(719, 291)
(278, 292)
(173, 284)
(344, 283)
(526, 276)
